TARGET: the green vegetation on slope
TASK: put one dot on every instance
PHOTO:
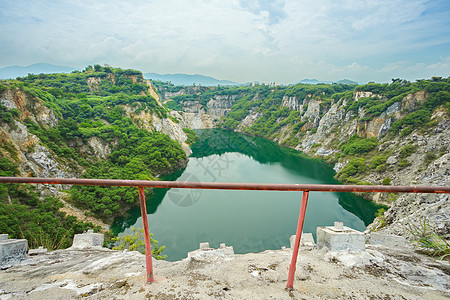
(88, 104)
(24, 215)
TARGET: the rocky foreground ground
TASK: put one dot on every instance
(98, 273)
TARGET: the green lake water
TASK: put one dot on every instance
(250, 221)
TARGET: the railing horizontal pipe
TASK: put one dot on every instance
(232, 186)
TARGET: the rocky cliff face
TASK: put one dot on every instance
(194, 115)
(220, 105)
(200, 120)
(429, 165)
(36, 159)
(28, 107)
(292, 103)
(152, 122)
(33, 157)
(187, 90)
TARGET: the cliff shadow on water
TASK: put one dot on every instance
(219, 141)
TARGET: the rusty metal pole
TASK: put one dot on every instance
(298, 235)
(148, 246)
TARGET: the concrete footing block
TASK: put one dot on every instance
(87, 240)
(12, 251)
(306, 240)
(204, 246)
(340, 238)
(205, 254)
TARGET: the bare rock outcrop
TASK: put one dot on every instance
(321, 274)
(194, 120)
(220, 105)
(28, 107)
(292, 103)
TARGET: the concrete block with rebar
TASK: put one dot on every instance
(340, 238)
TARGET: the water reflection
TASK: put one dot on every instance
(251, 221)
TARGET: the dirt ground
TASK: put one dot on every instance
(377, 273)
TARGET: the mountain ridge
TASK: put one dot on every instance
(342, 81)
(188, 79)
(11, 72)
(14, 71)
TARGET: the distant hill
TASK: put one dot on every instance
(315, 81)
(348, 81)
(12, 72)
(187, 79)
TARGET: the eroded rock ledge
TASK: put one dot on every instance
(379, 272)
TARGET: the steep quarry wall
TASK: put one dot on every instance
(34, 158)
(195, 115)
(220, 105)
(152, 122)
(28, 107)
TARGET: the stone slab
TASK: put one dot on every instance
(388, 240)
(87, 240)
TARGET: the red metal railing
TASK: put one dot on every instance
(305, 188)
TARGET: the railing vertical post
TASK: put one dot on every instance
(298, 235)
(148, 247)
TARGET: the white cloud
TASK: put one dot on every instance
(264, 40)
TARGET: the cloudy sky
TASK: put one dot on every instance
(280, 41)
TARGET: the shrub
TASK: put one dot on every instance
(429, 157)
(403, 163)
(7, 116)
(175, 120)
(414, 119)
(392, 197)
(356, 145)
(407, 150)
(192, 136)
(427, 239)
(381, 168)
(386, 181)
(406, 131)
(381, 218)
(377, 160)
(136, 242)
(354, 166)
